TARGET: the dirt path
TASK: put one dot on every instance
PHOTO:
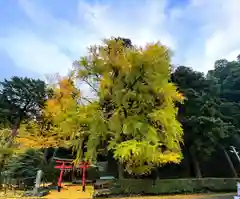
(74, 192)
(71, 192)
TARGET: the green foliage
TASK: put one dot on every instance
(4, 139)
(173, 186)
(26, 165)
(21, 98)
(226, 79)
(204, 125)
(136, 115)
(226, 76)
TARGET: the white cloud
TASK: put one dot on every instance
(51, 44)
(142, 21)
(210, 28)
(225, 39)
(30, 52)
(199, 32)
(219, 32)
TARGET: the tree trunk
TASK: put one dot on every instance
(2, 163)
(120, 171)
(73, 175)
(196, 165)
(54, 154)
(45, 156)
(9, 141)
(230, 163)
(14, 132)
(156, 173)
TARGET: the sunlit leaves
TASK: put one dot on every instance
(137, 113)
(5, 149)
(40, 135)
(143, 156)
(134, 114)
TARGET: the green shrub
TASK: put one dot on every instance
(172, 186)
(26, 165)
(92, 173)
(50, 174)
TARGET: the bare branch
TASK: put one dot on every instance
(90, 85)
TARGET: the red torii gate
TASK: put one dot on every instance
(63, 166)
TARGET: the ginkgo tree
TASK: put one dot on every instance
(40, 135)
(73, 120)
(135, 113)
(50, 131)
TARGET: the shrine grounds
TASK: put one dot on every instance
(74, 191)
(73, 194)
(198, 188)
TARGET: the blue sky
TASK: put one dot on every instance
(39, 37)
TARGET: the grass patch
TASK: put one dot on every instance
(11, 194)
(131, 187)
(186, 196)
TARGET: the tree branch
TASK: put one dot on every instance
(84, 80)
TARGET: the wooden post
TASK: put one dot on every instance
(62, 167)
(60, 177)
(84, 166)
(83, 178)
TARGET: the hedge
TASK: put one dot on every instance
(170, 186)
